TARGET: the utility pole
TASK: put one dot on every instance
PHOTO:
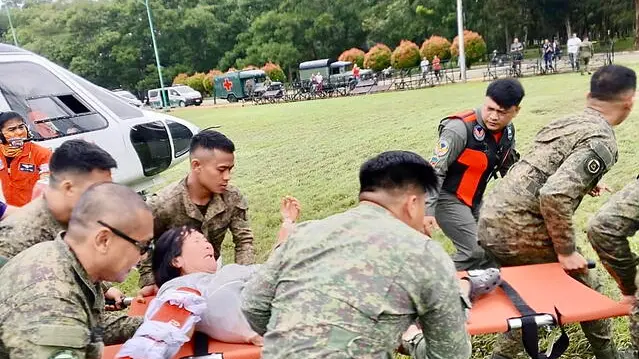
(13, 31)
(460, 30)
(157, 56)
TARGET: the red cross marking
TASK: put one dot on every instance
(228, 84)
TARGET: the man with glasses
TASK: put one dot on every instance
(473, 147)
(51, 303)
(22, 163)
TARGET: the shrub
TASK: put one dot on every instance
(353, 55)
(208, 80)
(436, 45)
(250, 67)
(196, 82)
(180, 79)
(406, 55)
(378, 57)
(474, 47)
(274, 72)
(231, 69)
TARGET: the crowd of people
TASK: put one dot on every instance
(367, 282)
(580, 53)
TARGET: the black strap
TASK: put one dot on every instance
(529, 327)
(200, 344)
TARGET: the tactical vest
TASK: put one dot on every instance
(468, 176)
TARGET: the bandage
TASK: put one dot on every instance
(167, 325)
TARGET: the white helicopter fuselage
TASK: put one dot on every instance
(59, 105)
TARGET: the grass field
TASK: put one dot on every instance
(312, 150)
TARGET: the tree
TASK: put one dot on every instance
(436, 45)
(474, 47)
(405, 56)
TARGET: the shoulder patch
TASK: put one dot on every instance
(1, 164)
(510, 132)
(604, 153)
(442, 148)
(479, 133)
(593, 165)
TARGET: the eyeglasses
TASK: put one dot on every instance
(144, 248)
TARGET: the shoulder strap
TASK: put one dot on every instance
(466, 116)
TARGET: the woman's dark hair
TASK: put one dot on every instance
(167, 248)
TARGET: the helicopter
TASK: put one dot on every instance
(59, 105)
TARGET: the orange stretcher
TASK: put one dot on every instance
(546, 288)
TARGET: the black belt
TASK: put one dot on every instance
(529, 326)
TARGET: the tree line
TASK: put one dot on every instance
(109, 41)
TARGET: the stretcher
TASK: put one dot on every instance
(531, 296)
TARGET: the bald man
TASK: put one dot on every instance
(51, 305)
(204, 200)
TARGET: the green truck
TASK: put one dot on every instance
(238, 85)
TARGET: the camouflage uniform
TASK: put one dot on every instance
(527, 219)
(608, 233)
(33, 224)
(350, 285)
(28, 226)
(48, 305)
(172, 207)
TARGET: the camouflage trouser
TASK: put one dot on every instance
(118, 327)
(634, 322)
(598, 332)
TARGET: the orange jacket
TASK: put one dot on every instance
(19, 179)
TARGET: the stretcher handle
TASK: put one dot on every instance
(126, 301)
(540, 319)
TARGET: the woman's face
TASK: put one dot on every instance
(197, 255)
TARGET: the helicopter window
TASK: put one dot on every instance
(120, 107)
(51, 108)
(181, 137)
(151, 142)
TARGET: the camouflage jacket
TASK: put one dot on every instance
(533, 206)
(28, 226)
(49, 306)
(349, 285)
(608, 233)
(172, 207)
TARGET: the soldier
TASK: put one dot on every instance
(204, 200)
(528, 217)
(608, 233)
(473, 147)
(51, 304)
(375, 250)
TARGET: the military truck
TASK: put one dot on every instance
(238, 85)
(334, 73)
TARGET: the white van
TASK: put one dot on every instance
(181, 96)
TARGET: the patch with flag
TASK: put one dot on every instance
(442, 148)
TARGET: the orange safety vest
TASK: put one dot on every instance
(468, 176)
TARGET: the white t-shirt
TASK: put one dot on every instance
(573, 45)
(223, 319)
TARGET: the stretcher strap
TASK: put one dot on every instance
(529, 327)
(200, 344)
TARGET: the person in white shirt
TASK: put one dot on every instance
(573, 50)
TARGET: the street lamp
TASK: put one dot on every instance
(157, 57)
(13, 31)
(460, 30)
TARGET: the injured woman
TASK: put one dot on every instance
(183, 258)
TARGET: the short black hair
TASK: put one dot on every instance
(393, 170)
(79, 157)
(9, 115)
(211, 140)
(506, 92)
(167, 248)
(610, 81)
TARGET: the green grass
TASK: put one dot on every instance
(312, 150)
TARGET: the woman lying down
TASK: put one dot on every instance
(184, 258)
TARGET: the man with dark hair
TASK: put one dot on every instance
(527, 219)
(51, 305)
(22, 163)
(473, 147)
(74, 166)
(349, 285)
(204, 200)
